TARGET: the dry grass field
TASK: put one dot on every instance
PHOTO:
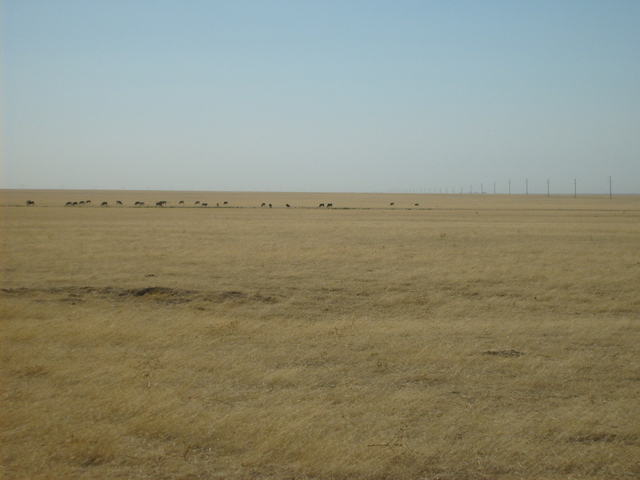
(468, 337)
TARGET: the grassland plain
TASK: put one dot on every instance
(468, 337)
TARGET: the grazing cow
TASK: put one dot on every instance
(103, 204)
(417, 205)
(30, 202)
(137, 203)
(87, 201)
(329, 205)
(181, 202)
(270, 206)
(225, 203)
(391, 204)
(288, 206)
(81, 203)
(118, 202)
(217, 204)
(263, 205)
(205, 204)
(159, 204)
(141, 203)
(68, 204)
(321, 205)
(197, 202)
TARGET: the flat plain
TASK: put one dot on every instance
(465, 337)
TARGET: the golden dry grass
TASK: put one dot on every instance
(474, 336)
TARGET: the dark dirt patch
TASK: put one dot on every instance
(157, 294)
(504, 353)
(231, 294)
(594, 438)
(160, 294)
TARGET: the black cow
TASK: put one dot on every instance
(103, 204)
(30, 202)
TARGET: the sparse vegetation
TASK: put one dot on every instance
(473, 337)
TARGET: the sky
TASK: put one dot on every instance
(322, 96)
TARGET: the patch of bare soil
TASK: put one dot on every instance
(504, 353)
(151, 294)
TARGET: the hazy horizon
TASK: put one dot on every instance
(283, 96)
(322, 192)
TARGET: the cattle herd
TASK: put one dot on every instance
(163, 203)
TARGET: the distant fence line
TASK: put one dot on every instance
(511, 187)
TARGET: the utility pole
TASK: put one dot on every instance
(610, 197)
(526, 182)
(481, 189)
(575, 188)
(494, 187)
(547, 187)
(509, 186)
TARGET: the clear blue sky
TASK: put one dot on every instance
(360, 96)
